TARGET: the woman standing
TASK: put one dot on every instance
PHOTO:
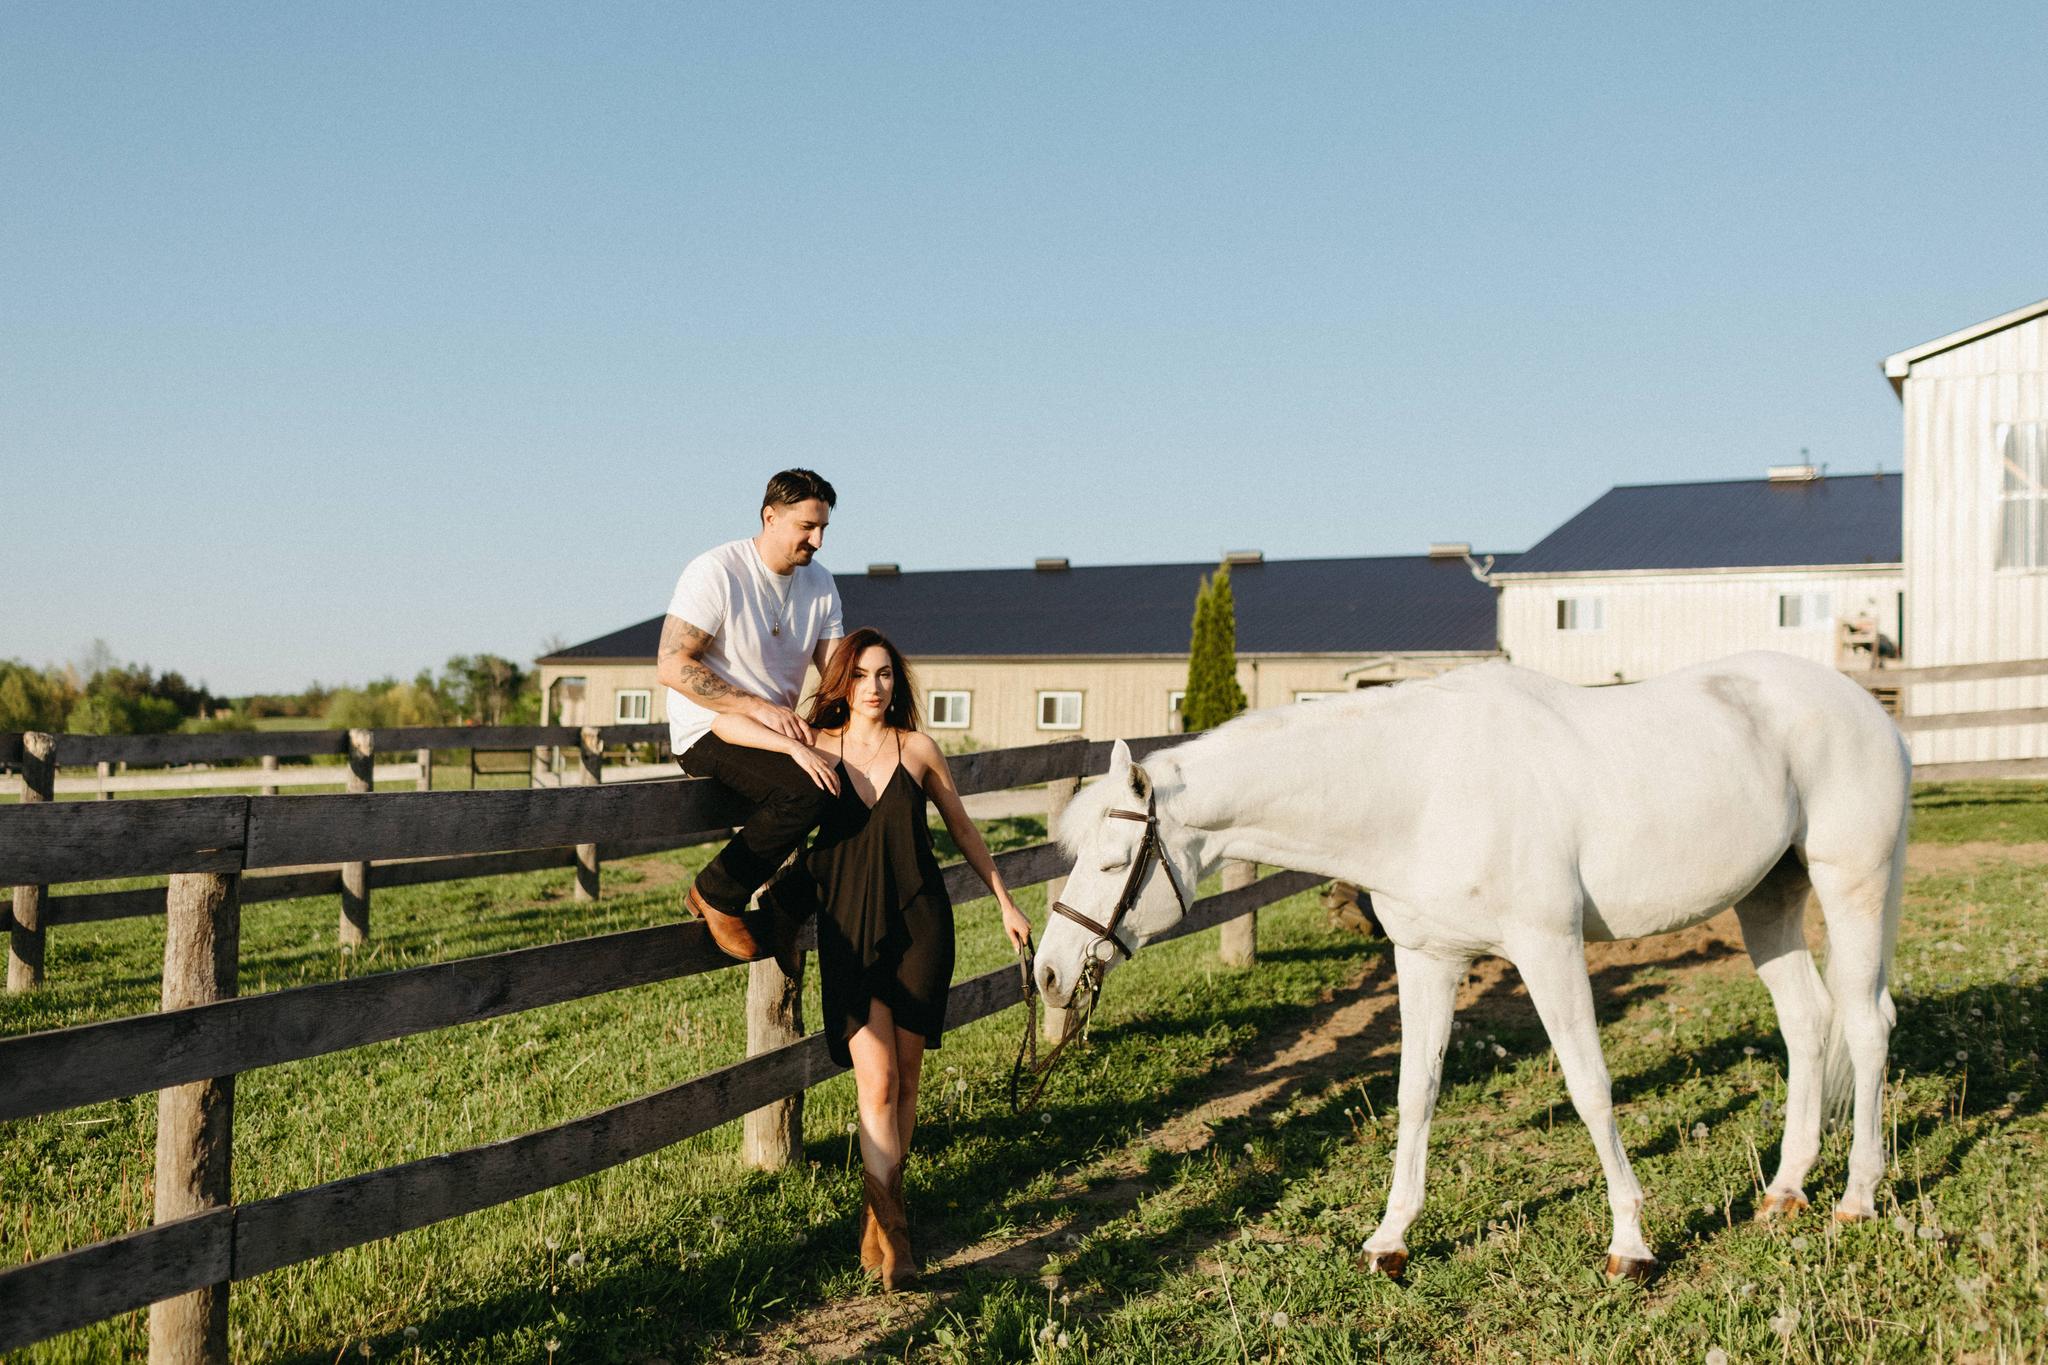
(885, 923)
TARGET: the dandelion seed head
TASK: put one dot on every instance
(1063, 1341)
(1716, 1356)
(1749, 1052)
(1962, 1054)
(1280, 1318)
(1044, 1119)
(575, 1260)
(1800, 1244)
(852, 1127)
(412, 1334)
(1785, 1322)
(554, 1345)
(363, 1350)
(1929, 1232)
(960, 1087)
(1987, 1239)
(1499, 1051)
(1901, 1223)
(554, 1244)
(1699, 1130)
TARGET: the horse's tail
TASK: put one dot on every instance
(1838, 1072)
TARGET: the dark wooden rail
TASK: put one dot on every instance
(184, 1052)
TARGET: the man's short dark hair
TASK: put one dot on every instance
(798, 485)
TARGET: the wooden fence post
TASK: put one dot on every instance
(773, 1136)
(269, 766)
(1239, 945)
(105, 770)
(355, 877)
(425, 758)
(593, 775)
(1053, 1020)
(195, 1122)
(25, 941)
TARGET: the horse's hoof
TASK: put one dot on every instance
(1391, 1264)
(1777, 1205)
(1631, 1268)
(1843, 1215)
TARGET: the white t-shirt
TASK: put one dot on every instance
(730, 595)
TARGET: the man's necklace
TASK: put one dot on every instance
(782, 603)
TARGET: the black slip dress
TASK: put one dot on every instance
(885, 923)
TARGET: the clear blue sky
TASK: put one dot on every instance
(336, 339)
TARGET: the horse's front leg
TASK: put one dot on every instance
(1553, 967)
(1428, 988)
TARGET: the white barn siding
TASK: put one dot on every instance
(1655, 622)
(1961, 608)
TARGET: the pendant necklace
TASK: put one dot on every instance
(782, 604)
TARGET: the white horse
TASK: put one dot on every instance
(1496, 810)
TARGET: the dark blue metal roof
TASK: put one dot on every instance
(1747, 523)
(1409, 603)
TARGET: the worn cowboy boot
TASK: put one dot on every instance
(900, 1237)
(870, 1235)
(894, 1263)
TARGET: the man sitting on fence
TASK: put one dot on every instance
(745, 621)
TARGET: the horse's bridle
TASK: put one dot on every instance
(1149, 848)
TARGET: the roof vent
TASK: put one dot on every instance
(885, 570)
(1793, 473)
(1449, 549)
(1055, 564)
(1244, 556)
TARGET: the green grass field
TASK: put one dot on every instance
(1115, 1226)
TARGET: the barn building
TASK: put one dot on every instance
(1008, 657)
(1976, 525)
(1652, 577)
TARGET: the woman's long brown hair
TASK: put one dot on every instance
(830, 707)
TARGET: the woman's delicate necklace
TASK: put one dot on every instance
(880, 740)
(782, 603)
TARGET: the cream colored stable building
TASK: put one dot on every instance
(1652, 578)
(1976, 525)
(1013, 657)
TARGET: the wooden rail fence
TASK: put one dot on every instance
(206, 1034)
(1902, 678)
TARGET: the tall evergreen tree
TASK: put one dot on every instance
(1213, 695)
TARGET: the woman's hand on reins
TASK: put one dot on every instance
(1014, 923)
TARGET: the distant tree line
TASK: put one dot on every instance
(99, 696)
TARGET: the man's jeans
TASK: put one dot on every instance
(789, 806)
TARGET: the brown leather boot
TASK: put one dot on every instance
(898, 1268)
(728, 930)
(871, 1239)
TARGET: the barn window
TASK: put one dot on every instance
(632, 707)
(2023, 496)
(1059, 710)
(1798, 610)
(948, 710)
(1581, 613)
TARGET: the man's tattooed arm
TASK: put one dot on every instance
(679, 664)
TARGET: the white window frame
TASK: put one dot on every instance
(2022, 495)
(1316, 696)
(1175, 699)
(931, 707)
(619, 698)
(1582, 614)
(1043, 697)
(1806, 609)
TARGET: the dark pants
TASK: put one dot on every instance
(788, 807)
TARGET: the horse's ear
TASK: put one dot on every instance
(1141, 783)
(1119, 758)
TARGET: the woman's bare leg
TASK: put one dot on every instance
(877, 1084)
(909, 1068)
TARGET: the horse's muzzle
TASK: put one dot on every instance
(1051, 988)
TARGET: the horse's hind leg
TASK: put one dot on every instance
(1774, 930)
(1860, 908)
(1428, 988)
(1554, 969)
